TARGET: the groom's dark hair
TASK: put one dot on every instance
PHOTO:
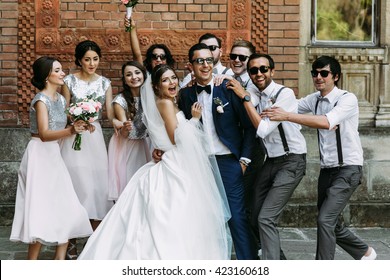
(196, 47)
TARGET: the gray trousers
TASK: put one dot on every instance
(274, 186)
(335, 188)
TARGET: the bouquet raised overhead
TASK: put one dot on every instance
(87, 109)
(129, 9)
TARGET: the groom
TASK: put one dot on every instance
(230, 136)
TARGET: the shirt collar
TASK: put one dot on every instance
(219, 67)
(211, 83)
(333, 95)
(267, 92)
(245, 76)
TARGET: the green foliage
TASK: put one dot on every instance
(344, 20)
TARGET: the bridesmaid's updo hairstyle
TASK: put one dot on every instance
(83, 47)
(42, 68)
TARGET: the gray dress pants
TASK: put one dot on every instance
(274, 186)
(335, 187)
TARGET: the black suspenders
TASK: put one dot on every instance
(225, 70)
(280, 127)
(338, 137)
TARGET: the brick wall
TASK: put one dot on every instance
(273, 27)
(283, 40)
(8, 62)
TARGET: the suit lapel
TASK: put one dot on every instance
(216, 93)
(193, 96)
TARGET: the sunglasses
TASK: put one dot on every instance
(323, 73)
(209, 60)
(158, 56)
(241, 57)
(212, 48)
(263, 69)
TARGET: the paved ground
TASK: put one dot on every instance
(297, 243)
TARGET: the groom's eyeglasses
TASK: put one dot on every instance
(158, 56)
(209, 60)
(263, 69)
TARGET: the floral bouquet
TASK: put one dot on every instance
(86, 109)
(129, 9)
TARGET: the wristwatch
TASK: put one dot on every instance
(246, 98)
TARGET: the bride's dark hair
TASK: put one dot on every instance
(157, 73)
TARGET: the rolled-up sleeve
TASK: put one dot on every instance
(346, 107)
(288, 102)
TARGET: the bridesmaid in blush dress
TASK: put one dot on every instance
(129, 149)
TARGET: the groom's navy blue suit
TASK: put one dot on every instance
(236, 132)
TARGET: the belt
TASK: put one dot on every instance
(285, 157)
(225, 156)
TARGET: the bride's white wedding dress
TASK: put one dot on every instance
(172, 209)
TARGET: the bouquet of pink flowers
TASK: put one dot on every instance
(129, 9)
(86, 109)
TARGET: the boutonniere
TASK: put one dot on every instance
(220, 105)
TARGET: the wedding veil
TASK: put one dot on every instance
(152, 118)
(191, 143)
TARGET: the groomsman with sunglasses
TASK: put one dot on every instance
(335, 115)
(214, 44)
(230, 137)
(285, 164)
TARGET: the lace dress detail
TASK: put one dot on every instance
(89, 166)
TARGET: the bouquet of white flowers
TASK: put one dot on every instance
(87, 110)
(129, 9)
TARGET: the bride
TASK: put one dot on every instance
(173, 209)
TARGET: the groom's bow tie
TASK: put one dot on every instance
(199, 89)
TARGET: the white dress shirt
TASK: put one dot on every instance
(345, 114)
(268, 130)
(216, 146)
(245, 79)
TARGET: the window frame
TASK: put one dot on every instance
(374, 29)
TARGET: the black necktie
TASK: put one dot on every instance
(199, 89)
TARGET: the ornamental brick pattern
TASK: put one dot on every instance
(259, 35)
(26, 57)
(54, 27)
